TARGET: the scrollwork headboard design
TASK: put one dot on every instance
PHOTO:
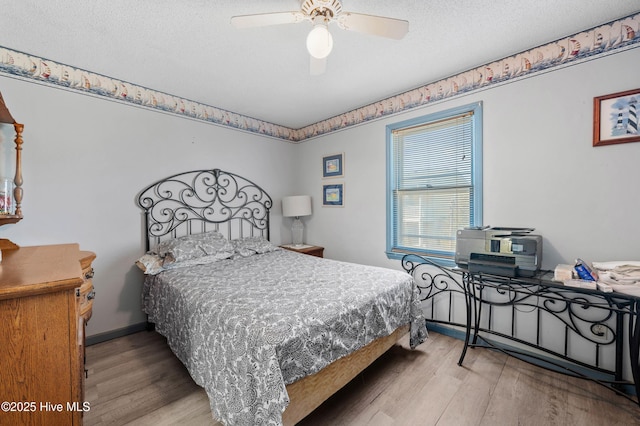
(201, 201)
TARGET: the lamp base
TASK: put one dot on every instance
(297, 230)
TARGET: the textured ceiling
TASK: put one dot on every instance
(189, 49)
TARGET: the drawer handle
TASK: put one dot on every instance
(89, 274)
(91, 295)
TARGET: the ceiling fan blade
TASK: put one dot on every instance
(375, 25)
(317, 66)
(266, 19)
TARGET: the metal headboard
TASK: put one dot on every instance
(201, 201)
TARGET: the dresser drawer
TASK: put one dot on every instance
(86, 294)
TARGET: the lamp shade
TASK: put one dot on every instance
(296, 206)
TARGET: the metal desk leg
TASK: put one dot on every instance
(634, 346)
(477, 310)
(466, 283)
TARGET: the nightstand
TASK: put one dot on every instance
(306, 249)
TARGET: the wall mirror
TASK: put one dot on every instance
(10, 170)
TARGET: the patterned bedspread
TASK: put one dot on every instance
(246, 327)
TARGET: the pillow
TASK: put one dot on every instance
(150, 264)
(193, 247)
(249, 246)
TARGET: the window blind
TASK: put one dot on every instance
(432, 189)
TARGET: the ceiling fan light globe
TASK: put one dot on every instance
(319, 41)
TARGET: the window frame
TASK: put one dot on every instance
(445, 259)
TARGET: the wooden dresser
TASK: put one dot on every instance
(46, 297)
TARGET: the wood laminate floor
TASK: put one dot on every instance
(137, 380)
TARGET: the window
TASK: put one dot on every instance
(434, 181)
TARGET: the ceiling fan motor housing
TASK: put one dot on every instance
(327, 8)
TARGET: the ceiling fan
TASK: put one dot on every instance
(321, 13)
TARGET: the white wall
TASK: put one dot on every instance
(84, 161)
(540, 169)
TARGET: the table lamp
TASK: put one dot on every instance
(296, 206)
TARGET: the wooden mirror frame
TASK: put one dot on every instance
(16, 216)
(17, 181)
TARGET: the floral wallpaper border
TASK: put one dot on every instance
(615, 36)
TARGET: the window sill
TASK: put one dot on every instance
(439, 260)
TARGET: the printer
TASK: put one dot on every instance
(511, 252)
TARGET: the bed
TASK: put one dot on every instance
(268, 333)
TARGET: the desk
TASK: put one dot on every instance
(588, 323)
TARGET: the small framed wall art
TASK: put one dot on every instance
(615, 118)
(333, 195)
(333, 166)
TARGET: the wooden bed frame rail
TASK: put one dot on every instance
(310, 392)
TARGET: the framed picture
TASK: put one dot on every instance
(615, 118)
(333, 166)
(333, 195)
